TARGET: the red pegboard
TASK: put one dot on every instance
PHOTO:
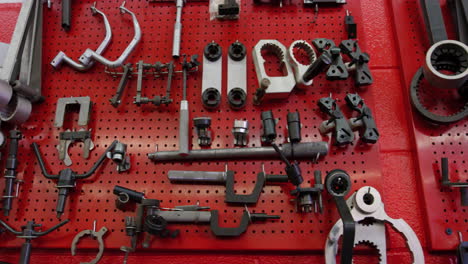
(442, 205)
(143, 128)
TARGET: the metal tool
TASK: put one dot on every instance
(84, 103)
(177, 29)
(89, 55)
(227, 178)
(277, 86)
(359, 62)
(351, 26)
(364, 122)
(66, 177)
(28, 233)
(117, 98)
(336, 69)
(366, 204)
(228, 10)
(130, 230)
(66, 14)
(314, 2)
(342, 132)
(212, 75)
(63, 58)
(98, 235)
(462, 250)
(202, 125)
(157, 68)
(118, 155)
(247, 218)
(184, 120)
(338, 185)
(237, 75)
(240, 131)
(444, 168)
(299, 68)
(10, 172)
(21, 69)
(303, 150)
(69, 137)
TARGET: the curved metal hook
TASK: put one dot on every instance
(87, 64)
(91, 54)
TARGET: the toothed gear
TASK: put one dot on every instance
(375, 234)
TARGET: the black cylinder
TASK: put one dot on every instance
(25, 252)
(294, 127)
(270, 178)
(132, 194)
(318, 66)
(269, 126)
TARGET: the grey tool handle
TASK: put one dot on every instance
(184, 128)
(185, 216)
(197, 176)
(177, 30)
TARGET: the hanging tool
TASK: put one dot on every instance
(21, 70)
(240, 131)
(341, 131)
(364, 122)
(66, 14)
(462, 250)
(444, 168)
(366, 205)
(338, 185)
(237, 75)
(28, 234)
(184, 121)
(98, 235)
(10, 172)
(69, 137)
(202, 125)
(212, 75)
(66, 177)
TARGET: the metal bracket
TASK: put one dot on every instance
(69, 137)
(85, 110)
(96, 235)
(342, 132)
(237, 75)
(272, 87)
(359, 62)
(364, 122)
(212, 75)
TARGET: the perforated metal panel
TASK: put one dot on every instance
(144, 128)
(442, 205)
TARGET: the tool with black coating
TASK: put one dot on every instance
(341, 131)
(364, 122)
(338, 185)
(67, 178)
(28, 233)
(10, 171)
(359, 62)
(336, 69)
(227, 177)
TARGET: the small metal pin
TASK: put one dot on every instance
(94, 226)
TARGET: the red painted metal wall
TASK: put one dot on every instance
(390, 165)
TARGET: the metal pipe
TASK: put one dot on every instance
(303, 150)
(215, 177)
(177, 30)
(91, 54)
(62, 57)
(66, 14)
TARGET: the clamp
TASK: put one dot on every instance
(337, 69)
(364, 122)
(96, 235)
(366, 204)
(69, 137)
(359, 62)
(342, 132)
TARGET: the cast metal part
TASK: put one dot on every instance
(98, 235)
(227, 178)
(69, 137)
(299, 68)
(237, 75)
(364, 122)
(359, 62)
(62, 106)
(118, 155)
(212, 75)
(309, 199)
(277, 86)
(91, 55)
(451, 55)
(302, 150)
(337, 69)
(428, 115)
(366, 204)
(157, 68)
(240, 131)
(63, 58)
(117, 98)
(28, 234)
(202, 125)
(66, 179)
(10, 171)
(444, 168)
(20, 72)
(338, 185)
(342, 132)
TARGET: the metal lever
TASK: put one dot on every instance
(63, 58)
(177, 30)
(93, 55)
(117, 98)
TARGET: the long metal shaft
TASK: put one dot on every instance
(184, 119)
(10, 171)
(66, 14)
(303, 150)
(215, 177)
(177, 30)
